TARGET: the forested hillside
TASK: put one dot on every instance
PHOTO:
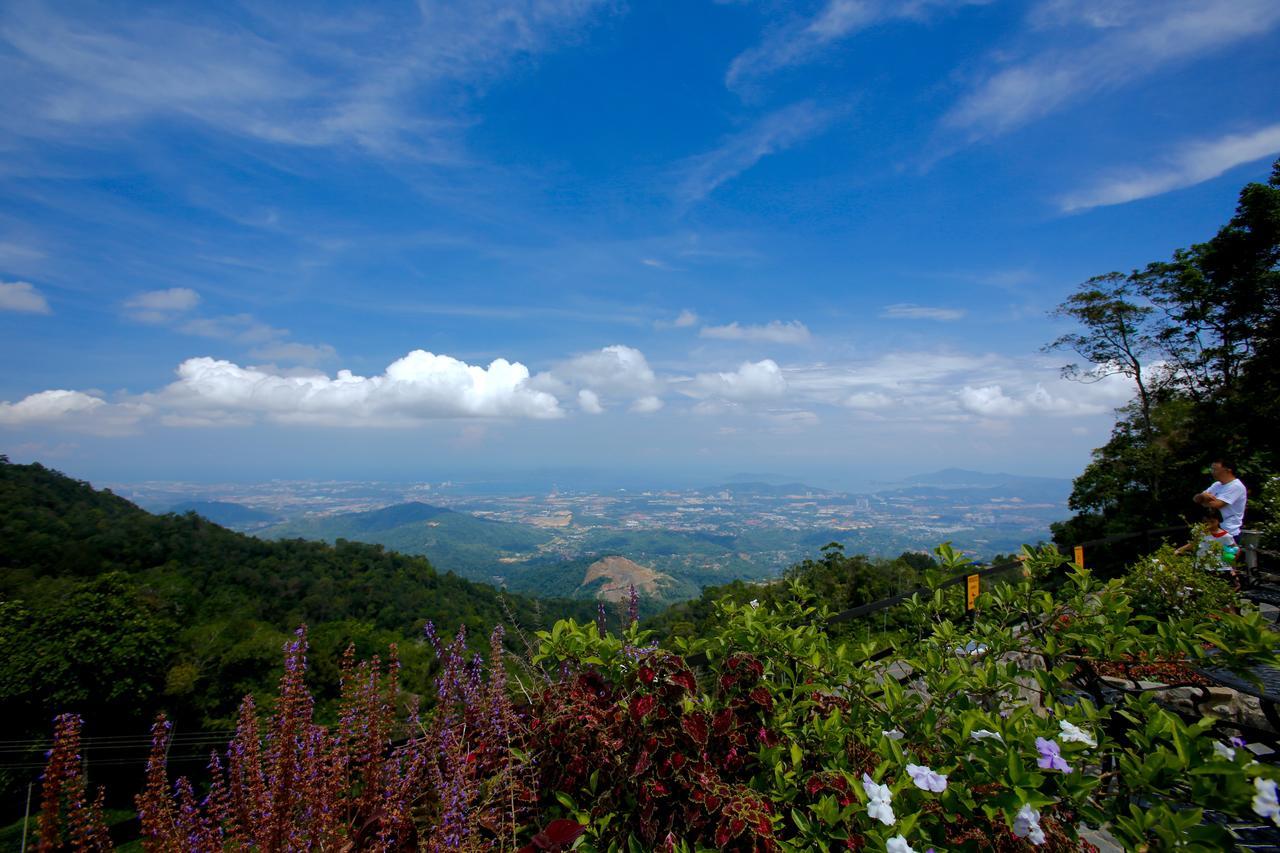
(114, 612)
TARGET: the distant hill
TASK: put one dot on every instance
(958, 477)
(455, 541)
(225, 513)
(982, 485)
(763, 488)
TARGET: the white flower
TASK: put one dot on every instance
(1027, 825)
(1265, 801)
(878, 798)
(755, 602)
(1072, 733)
(926, 779)
(898, 844)
(1223, 751)
(892, 734)
(983, 734)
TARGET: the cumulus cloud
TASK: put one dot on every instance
(752, 381)
(992, 401)
(72, 409)
(161, 306)
(589, 402)
(1192, 164)
(775, 332)
(614, 372)
(418, 387)
(908, 311)
(22, 297)
(647, 405)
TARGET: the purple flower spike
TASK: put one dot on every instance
(1051, 756)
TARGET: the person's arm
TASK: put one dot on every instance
(1210, 500)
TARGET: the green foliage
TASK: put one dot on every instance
(978, 703)
(1167, 585)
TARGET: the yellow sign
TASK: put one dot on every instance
(1080, 556)
(971, 590)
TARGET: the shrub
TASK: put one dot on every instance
(1167, 585)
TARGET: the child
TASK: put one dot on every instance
(1214, 540)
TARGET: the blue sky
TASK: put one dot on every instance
(681, 239)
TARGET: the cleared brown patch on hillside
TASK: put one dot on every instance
(621, 573)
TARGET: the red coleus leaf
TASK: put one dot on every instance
(723, 720)
(640, 706)
(686, 680)
(555, 835)
(646, 675)
(761, 697)
(695, 726)
(722, 835)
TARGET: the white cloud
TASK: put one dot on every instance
(612, 371)
(1190, 165)
(173, 308)
(868, 400)
(22, 297)
(683, 320)
(589, 402)
(270, 74)
(647, 405)
(1125, 46)
(47, 406)
(699, 176)
(240, 328)
(295, 353)
(419, 387)
(992, 401)
(74, 410)
(775, 332)
(907, 311)
(752, 381)
(803, 40)
(161, 306)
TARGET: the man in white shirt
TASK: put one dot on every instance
(1227, 494)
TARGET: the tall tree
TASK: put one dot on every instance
(1199, 335)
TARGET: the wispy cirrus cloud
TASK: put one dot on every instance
(1191, 164)
(1097, 47)
(908, 311)
(804, 39)
(269, 75)
(699, 176)
(773, 332)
